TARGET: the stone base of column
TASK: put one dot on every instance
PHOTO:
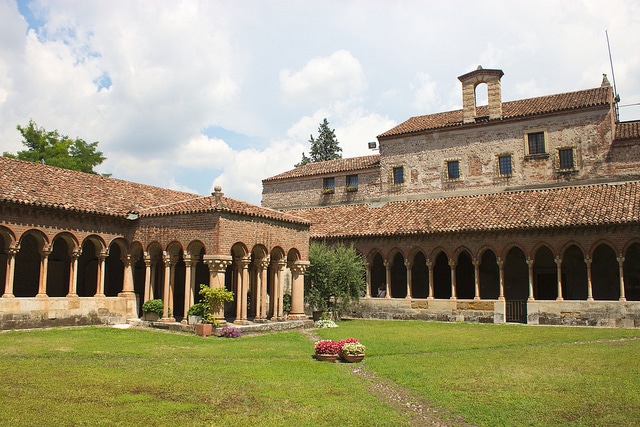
(261, 320)
(297, 317)
(241, 322)
(42, 296)
(8, 296)
(168, 319)
(72, 296)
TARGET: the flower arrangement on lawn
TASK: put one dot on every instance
(346, 341)
(230, 332)
(325, 323)
(353, 349)
(327, 347)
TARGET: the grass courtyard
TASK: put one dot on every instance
(489, 375)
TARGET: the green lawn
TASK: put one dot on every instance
(489, 374)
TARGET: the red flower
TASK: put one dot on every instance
(327, 347)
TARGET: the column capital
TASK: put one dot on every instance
(408, 264)
(530, 262)
(218, 263)
(299, 267)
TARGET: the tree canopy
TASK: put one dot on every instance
(325, 147)
(335, 277)
(55, 149)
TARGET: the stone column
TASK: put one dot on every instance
(262, 283)
(408, 265)
(476, 279)
(530, 265)
(387, 276)
(147, 279)
(102, 256)
(127, 281)
(278, 286)
(452, 267)
(217, 269)
(188, 287)
(559, 272)
(297, 289)
(73, 273)
(588, 261)
(44, 269)
(621, 269)
(165, 289)
(367, 279)
(243, 289)
(430, 271)
(8, 282)
(501, 270)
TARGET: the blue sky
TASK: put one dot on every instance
(192, 94)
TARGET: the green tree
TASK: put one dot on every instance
(335, 277)
(326, 147)
(58, 150)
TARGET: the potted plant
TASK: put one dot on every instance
(327, 350)
(213, 300)
(153, 309)
(351, 189)
(195, 313)
(352, 352)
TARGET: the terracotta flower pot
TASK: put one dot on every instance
(327, 357)
(204, 329)
(353, 358)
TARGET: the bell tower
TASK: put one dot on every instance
(469, 83)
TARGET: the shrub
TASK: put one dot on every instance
(153, 306)
(213, 299)
(325, 323)
(196, 309)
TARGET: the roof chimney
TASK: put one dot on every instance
(469, 83)
(217, 195)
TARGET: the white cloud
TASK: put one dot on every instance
(324, 79)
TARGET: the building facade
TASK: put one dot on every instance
(77, 248)
(522, 211)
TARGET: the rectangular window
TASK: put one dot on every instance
(566, 158)
(504, 163)
(453, 169)
(536, 143)
(352, 183)
(398, 175)
(328, 185)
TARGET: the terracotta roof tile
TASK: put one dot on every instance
(512, 109)
(330, 166)
(550, 208)
(628, 130)
(34, 184)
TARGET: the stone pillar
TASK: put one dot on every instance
(559, 272)
(262, 282)
(430, 271)
(278, 286)
(217, 269)
(367, 267)
(188, 287)
(452, 267)
(588, 261)
(621, 269)
(127, 281)
(166, 294)
(387, 276)
(102, 256)
(243, 289)
(73, 273)
(8, 282)
(297, 289)
(148, 294)
(501, 270)
(530, 265)
(476, 279)
(408, 265)
(44, 269)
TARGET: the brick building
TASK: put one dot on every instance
(78, 248)
(523, 211)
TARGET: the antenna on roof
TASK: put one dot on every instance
(613, 76)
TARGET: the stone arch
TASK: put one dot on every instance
(88, 266)
(28, 262)
(378, 272)
(398, 285)
(489, 274)
(293, 255)
(114, 267)
(155, 256)
(574, 273)
(58, 264)
(516, 274)
(177, 270)
(545, 274)
(419, 275)
(441, 276)
(631, 271)
(605, 273)
(465, 274)
(139, 270)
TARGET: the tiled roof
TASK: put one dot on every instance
(34, 184)
(520, 210)
(512, 109)
(330, 166)
(628, 130)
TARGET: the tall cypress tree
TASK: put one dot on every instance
(325, 147)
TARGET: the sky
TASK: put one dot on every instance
(189, 95)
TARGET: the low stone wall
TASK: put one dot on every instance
(486, 311)
(566, 313)
(21, 313)
(584, 313)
